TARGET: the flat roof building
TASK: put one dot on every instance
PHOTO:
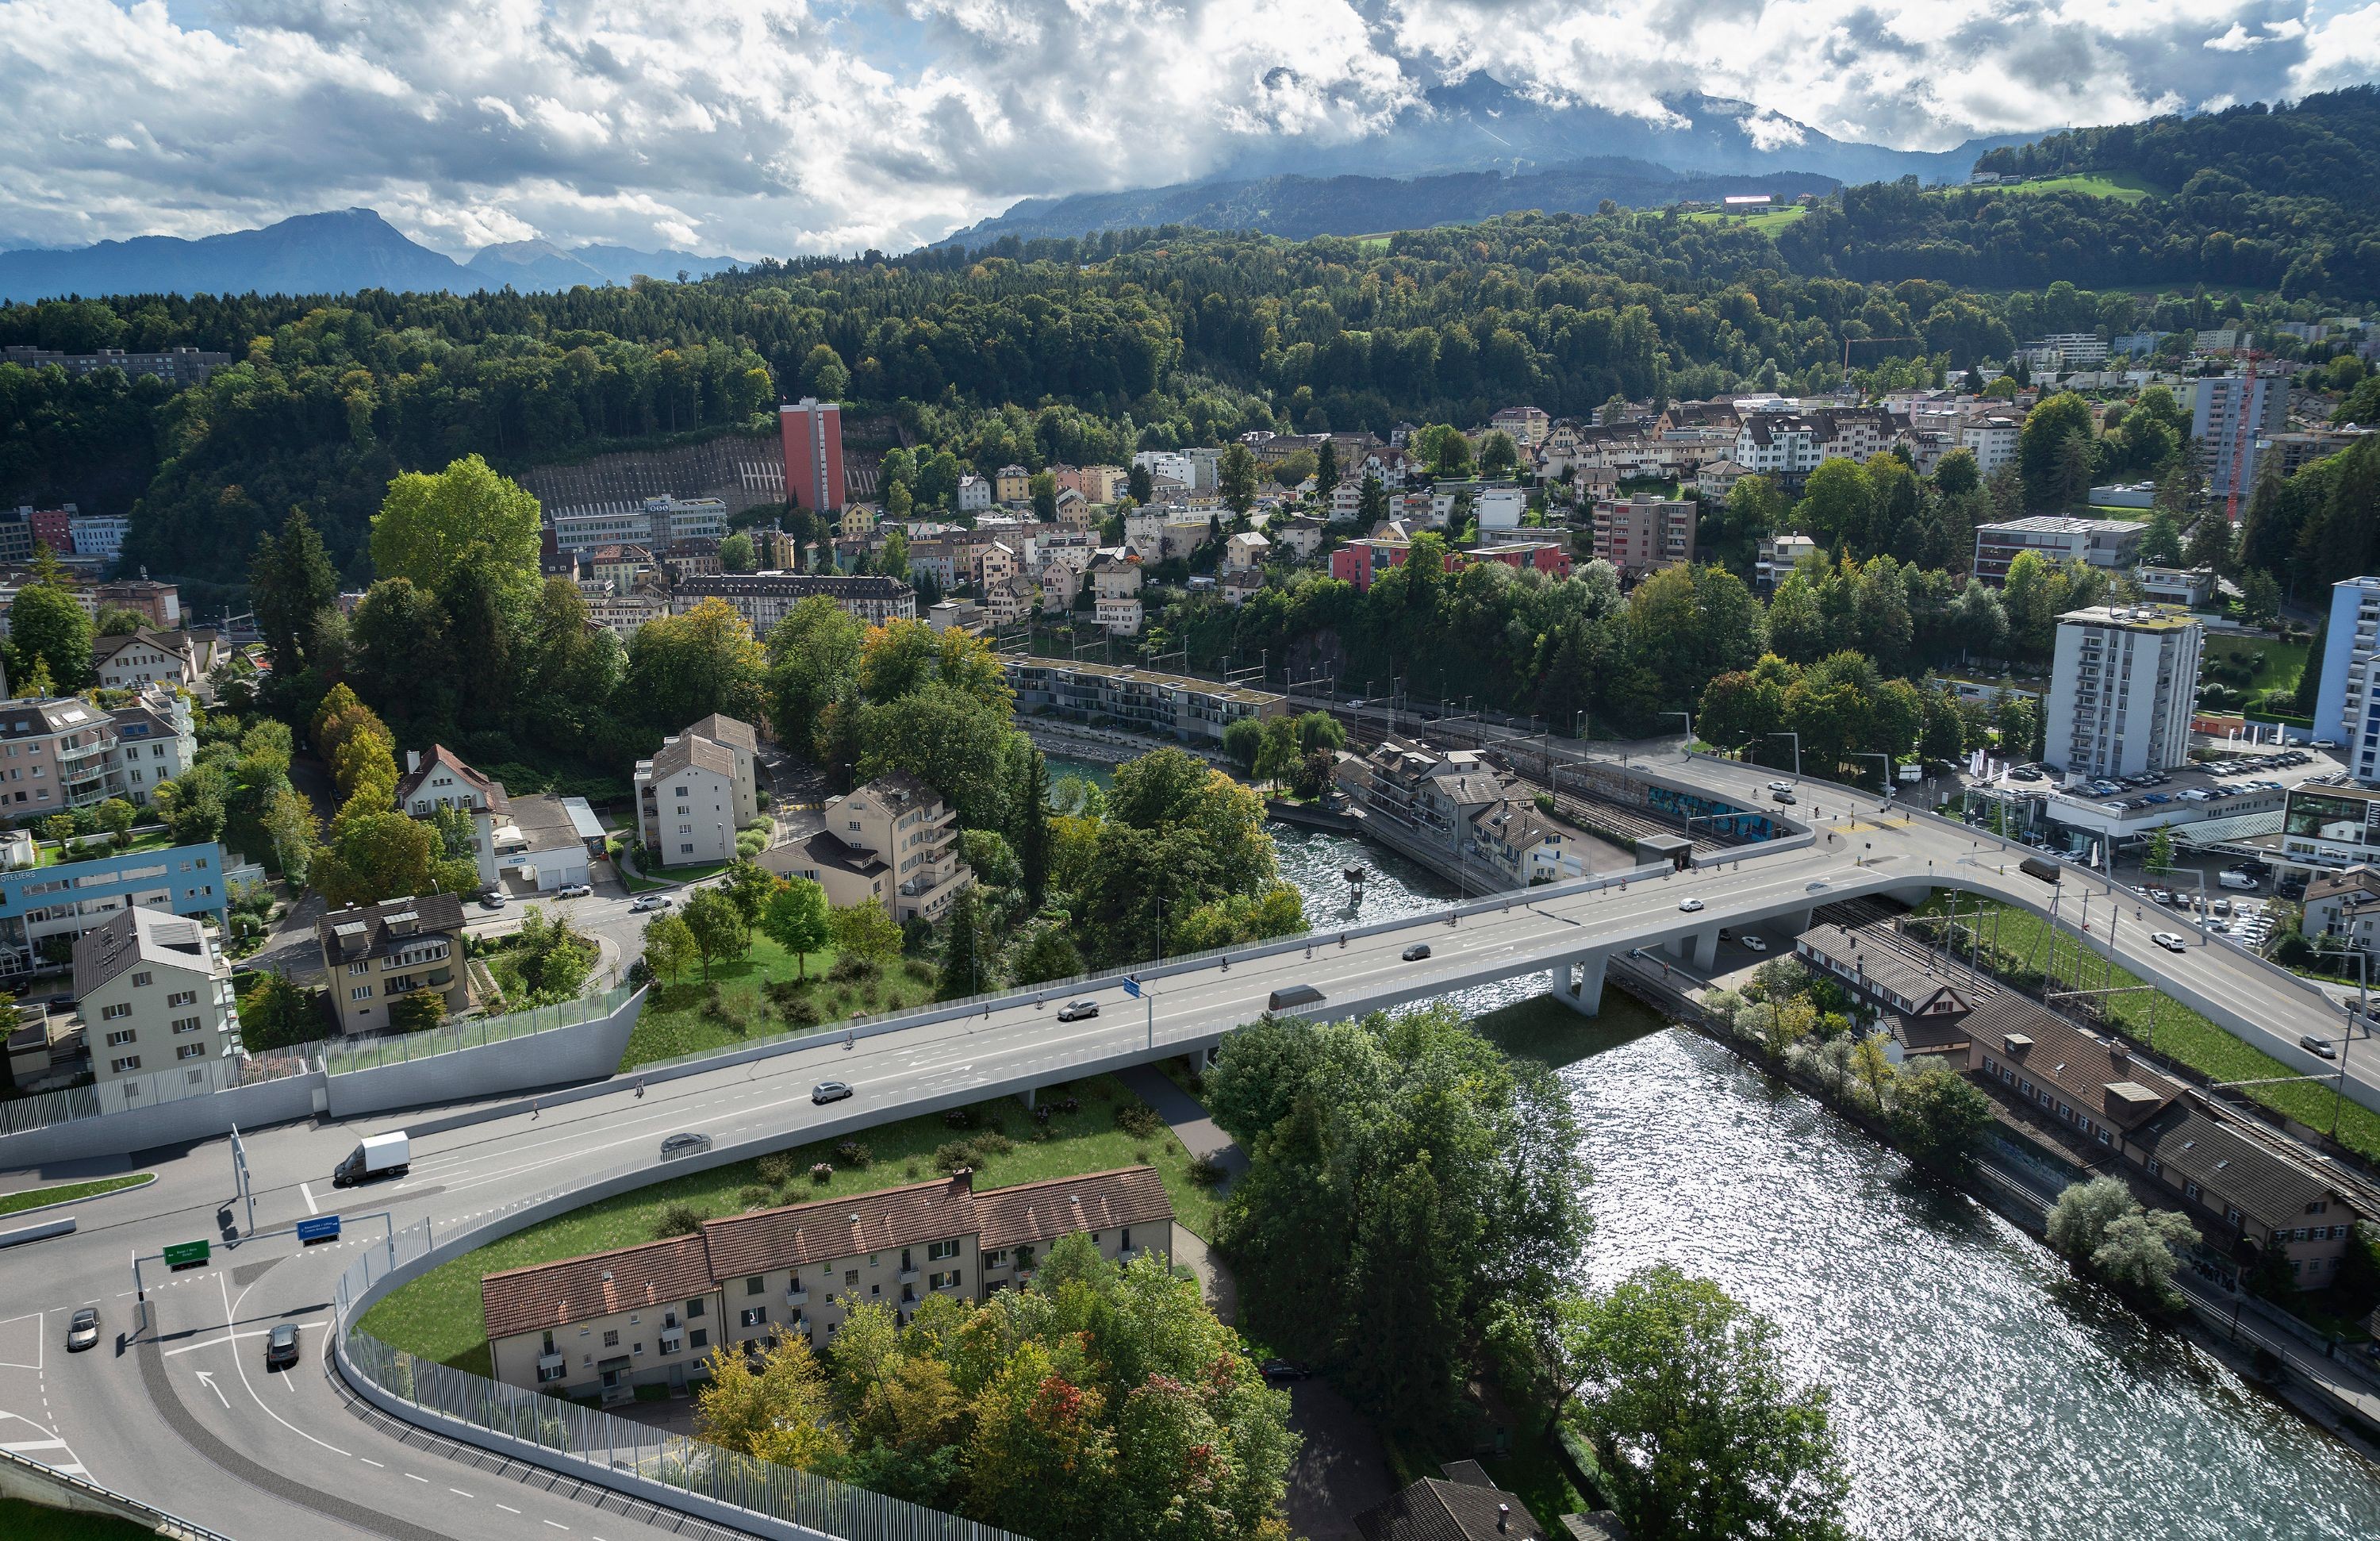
(2123, 686)
(2112, 544)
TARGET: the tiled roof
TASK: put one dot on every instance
(1437, 1509)
(441, 756)
(2355, 879)
(689, 750)
(1032, 1213)
(2096, 1076)
(2192, 1145)
(433, 913)
(720, 728)
(137, 934)
(577, 1288)
(1880, 969)
(798, 1234)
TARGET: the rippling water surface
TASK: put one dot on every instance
(1979, 1390)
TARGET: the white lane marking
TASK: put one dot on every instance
(559, 1526)
(21, 1446)
(370, 1462)
(240, 1364)
(308, 1189)
(423, 1480)
(207, 1379)
(505, 1506)
(459, 1493)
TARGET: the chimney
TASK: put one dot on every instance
(962, 1180)
(412, 761)
(1503, 1518)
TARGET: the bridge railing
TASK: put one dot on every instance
(596, 1446)
(34, 1473)
(344, 1056)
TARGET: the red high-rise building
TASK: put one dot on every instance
(813, 430)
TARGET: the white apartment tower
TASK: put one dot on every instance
(2122, 690)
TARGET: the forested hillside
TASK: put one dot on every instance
(2324, 146)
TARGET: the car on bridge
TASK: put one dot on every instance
(683, 1145)
(2314, 1044)
(1780, 786)
(281, 1346)
(1076, 1011)
(2172, 941)
(1690, 905)
(1784, 796)
(829, 1091)
(1417, 952)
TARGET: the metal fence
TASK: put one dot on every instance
(41, 1474)
(151, 1088)
(344, 1056)
(591, 1443)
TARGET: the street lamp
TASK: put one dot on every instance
(1883, 759)
(1797, 750)
(1687, 747)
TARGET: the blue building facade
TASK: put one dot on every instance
(67, 898)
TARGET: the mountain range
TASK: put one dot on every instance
(336, 252)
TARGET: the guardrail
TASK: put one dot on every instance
(93, 1498)
(345, 1056)
(152, 1088)
(594, 1446)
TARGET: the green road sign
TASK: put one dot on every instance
(182, 1254)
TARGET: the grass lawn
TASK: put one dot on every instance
(2279, 664)
(2182, 1034)
(2122, 187)
(679, 1018)
(2110, 511)
(66, 1193)
(1770, 221)
(20, 1520)
(439, 1315)
(91, 847)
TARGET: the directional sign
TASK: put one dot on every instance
(323, 1227)
(1132, 988)
(186, 1255)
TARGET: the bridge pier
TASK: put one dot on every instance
(1584, 996)
(1026, 1097)
(1706, 949)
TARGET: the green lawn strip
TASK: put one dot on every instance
(20, 1520)
(677, 1018)
(2121, 185)
(2280, 665)
(439, 1315)
(2181, 1034)
(67, 1193)
(1768, 220)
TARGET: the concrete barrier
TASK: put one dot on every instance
(41, 1231)
(186, 1122)
(583, 1052)
(23, 1477)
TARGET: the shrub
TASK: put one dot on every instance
(991, 1142)
(801, 1011)
(775, 1169)
(960, 1118)
(851, 1153)
(1042, 1132)
(1140, 1156)
(1139, 1118)
(822, 1171)
(911, 1172)
(1206, 1171)
(951, 1155)
(756, 1196)
(678, 1218)
(919, 970)
(851, 966)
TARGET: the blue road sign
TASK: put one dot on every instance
(1132, 988)
(323, 1227)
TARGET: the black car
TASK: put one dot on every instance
(281, 1346)
(829, 1091)
(1280, 1371)
(683, 1145)
(1418, 951)
(1786, 797)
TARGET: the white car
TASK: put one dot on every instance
(1756, 944)
(2171, 942)
(575, 891)
(1690, 905)
(1780, 786)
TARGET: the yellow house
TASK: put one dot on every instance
(857, 519)
(1011, 484)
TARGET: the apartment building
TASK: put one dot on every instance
(2333, 823)
(2123, 687)
(1167, 706)
(894, 841)
(146, 657)
(156, 740)
(2343, 908)
(975, 494)
(687, 801)
(764, 599)
(155, 995)
(1115, 591)
(160, 604)
(1776, 555)
(2347, 704)
(1643, 534)
(812, 433)
(374, 955)
(2111, 544)
(42, 908)
(56, 753)
(603, 1325)
(653, 524)
(2228, 448)
(439, 779)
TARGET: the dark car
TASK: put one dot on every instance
(281, 1346)
(1418, 951)
(829, 1091)
(1074, 1011)
(1784, 797)
(684, 1144)
(1281, 1370)
(82, 1331)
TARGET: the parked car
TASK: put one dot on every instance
(1690, 905)
(829, 1091)
(82, 1330)
(1074, 1011)
(2321, 1046)
(683, 1145)
(575, 891)
(2172, 941)
(493, 899)
(2026, 773)
(2233, 877)
(1417, 952)
(1281, 1370)
(281, 1346)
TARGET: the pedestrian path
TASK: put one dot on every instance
(1199, 1133)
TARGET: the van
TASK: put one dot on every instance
(2234, 878)
(1292, 998)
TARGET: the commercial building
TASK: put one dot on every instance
(2112, 544)
(160, 604)
(2227, 453)
(2123, 687)
(2346, 698)
(603, 1325)
(375, 955)
(154, 993)
(655, 524)
(813, 436)
(99, 535)
(1167, 706)
(763, 599)
(42, 908)
(1644, 533)
(893, 840)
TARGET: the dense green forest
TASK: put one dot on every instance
(2324, 146)
(1085, 349)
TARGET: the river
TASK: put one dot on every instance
(1980, 1390)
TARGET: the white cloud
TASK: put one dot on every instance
(764, 127)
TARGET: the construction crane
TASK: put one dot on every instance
(2244, 429)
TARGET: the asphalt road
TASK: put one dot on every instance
(179, 1410)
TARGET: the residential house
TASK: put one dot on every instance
(975, 494)
(1300, 535)
(1115, 587)
(1246, 552)
(1239, 585)
(622, 567)
(146, 657)
(55, 753)
(1461, 1506)
(1076, 511)
(374, 955)
(687, 806)
(893, 840)
(156, 740)
(1881, 974)
(1776, 555)
(605, 1324)
(1714, 479)
(1525, 844)
(995, 561)
(858, 518)
(439, 779)
(1527, 425)
(1012, 598)
(1011, 484)
(156, 997)
(1060, 581)
(2110, 544)
(2342, 909)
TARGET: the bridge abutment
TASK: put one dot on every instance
(1578, 983)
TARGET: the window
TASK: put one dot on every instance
(755, 1284)
(122, 1036)
(698, 1338)
(187, 1024)
(947, 1280)
(1124, 1239)
(190, 1050)
(361, 992)
(364, 968)
(110, 1013)
(181, 997)
(685, 849)
(2190, 1190)
(939, 1252)
(753, 1316)
(694, 1307)
(850, 1275)
(552, 1372)
(143, 977)
(611, 1337)
(124, 1066)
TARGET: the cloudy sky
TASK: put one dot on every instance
(773, 126)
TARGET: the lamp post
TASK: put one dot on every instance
(1797, 750)
(1687, 747)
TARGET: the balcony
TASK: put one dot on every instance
(909, 1275)
(798, 1297)
(673, 1342)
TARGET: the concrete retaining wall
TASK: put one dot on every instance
(25, 1478)
(184, 1122)
(589, 1050)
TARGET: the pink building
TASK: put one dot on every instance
(1359, 561)
(813, 433)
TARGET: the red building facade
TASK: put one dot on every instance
(813, 430)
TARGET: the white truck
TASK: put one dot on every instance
(378, 1156)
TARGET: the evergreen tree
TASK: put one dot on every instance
(290, 583)
(965, 968)
(1030, 816)
(1325, 470)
